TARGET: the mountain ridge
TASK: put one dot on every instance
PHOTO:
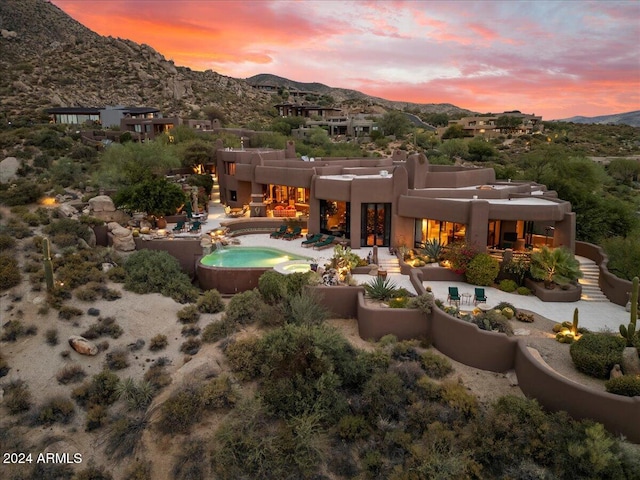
(626, 118)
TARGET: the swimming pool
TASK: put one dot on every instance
(248, 257)
(237, 269)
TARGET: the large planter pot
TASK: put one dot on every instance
(161, 222)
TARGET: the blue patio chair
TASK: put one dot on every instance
(479, 296)
(454, 296)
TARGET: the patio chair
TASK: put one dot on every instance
(453, 296)
(280, 232)
(295, 233)
(315, 238)
(479, 296)
(326, 243)
(195, 227)
(179, 226)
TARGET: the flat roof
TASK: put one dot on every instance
(347, 177)
(506, 201)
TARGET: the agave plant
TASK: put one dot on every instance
(433, 248)
(380, 288)
(556, 265)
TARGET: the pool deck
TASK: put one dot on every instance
(595, 316)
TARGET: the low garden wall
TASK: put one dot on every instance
(613, 287)
(228, 280)
(186, 250)
(342, 302)
(557, 294)
(376, 322)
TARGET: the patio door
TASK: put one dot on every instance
(376, 224)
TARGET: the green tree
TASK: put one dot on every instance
(624, 256)
(480, 150)
(155, 196)
(508, 123)
(213, 112)
(454, 131)
(455, 148)
(284, 125)
(624, 170)
(197, 153)
(395, 123)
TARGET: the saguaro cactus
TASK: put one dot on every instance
(48, 264)
(574, 326)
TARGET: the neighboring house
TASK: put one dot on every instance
(104, 116)
(401, 200)
(300, 110)
(489, 126)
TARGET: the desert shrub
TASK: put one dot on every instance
(51, 471)
(23, 193)
(181, 410)
(219, 393)
(245, 357)
(218, 330)
(67, 312)
(150, 271)
(140, 470)
(111, 294)
(103, 327)
(628, 385)
(117, 359)
(409, 373)
(423, 302)
(57, 295)
(13, 329)
(190, 331)
(17, 397)
(508, 286)
(76, 269)
(296, 282)
(90, 292)
(436, 366)
(117, 274)
(190, 463)
(55, 410)
(482, 270)
(210, 302)
(353, 427)
(157, 376)
(188, 314)
(523, 291)
(273, 287)
(191, 346)
(96, 417)
(71, 374)
(243, 308)
(493, 320)
(67, 228)
(9, 272)
(7, 242)
(136, 395)
(380, 288)
(93, 472)
(595, 354)
(384, 396)
(102, 389)
(399, 302)
(4, 366)
(158, 342)
(306, 309)
(502, 305)
(524, 317)
(405, 351)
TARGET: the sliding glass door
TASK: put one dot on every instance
(376, 224)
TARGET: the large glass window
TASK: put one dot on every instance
(230, 168)
(445, 232)
(335, 218)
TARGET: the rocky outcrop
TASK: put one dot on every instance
(101, 203)
(9, 169)
(122, 237)
(82, 345)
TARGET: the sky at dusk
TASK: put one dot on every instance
(553, 58)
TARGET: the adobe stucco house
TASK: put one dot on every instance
(400, 200)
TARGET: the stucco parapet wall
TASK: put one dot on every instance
(293, 177)
(460, 178)
(376, 322)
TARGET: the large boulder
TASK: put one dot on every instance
(630, 361)
(67, 210)
(122, 237)
(82, 345)
(102, 203)
(9, 169)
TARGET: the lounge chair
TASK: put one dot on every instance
(280, 232)
(179, 226)
(315, 238)
(454, 296)
(479, 296)
(195, 227)
(295, 233)
(326, 243)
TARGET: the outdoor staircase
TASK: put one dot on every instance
(389, 263)
(590, 286)
(215, 192)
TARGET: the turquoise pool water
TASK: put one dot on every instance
(248, 257)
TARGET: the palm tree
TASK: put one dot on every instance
(556, 265)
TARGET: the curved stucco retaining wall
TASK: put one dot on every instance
(228, 280)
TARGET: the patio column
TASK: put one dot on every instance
(478, 223)
(565, 232)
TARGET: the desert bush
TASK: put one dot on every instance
(106, 326)
(71, 374)
(524, 317)
(111, 294)
(190, 331)
(57, 295)
(595, 354)
(90, 292)
(628, 385)
(296, 282)
(137, 395)
(353, 427)
(190, 463)
(436, 366)
(157, 376)
(9, 272)
(102, 389)
(93, 472)
(399, 302)
(158, 342)
(117, 274)
(96, 417)
(64, 228)
(181, 410)
(384, 396)
(17, 397)
(189, 314)
(4, 366)
(404, 351)
(423, 302)
(306, 309)
(273, 287)
(13, 329)
(151, 271)
(493, 320)
(508, 286)
(502, 305)
(117, 359)
(54, 410)
(23, 193)
(380, 288)
(245, 357)
(191, 346)
(7, 242)
(67, 312)
(219, 393)
(523, 291)
(210, 302)
(482, 270)
(140, 470)
(243, 307)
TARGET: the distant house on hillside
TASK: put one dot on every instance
(513, 122)
(301, 110)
